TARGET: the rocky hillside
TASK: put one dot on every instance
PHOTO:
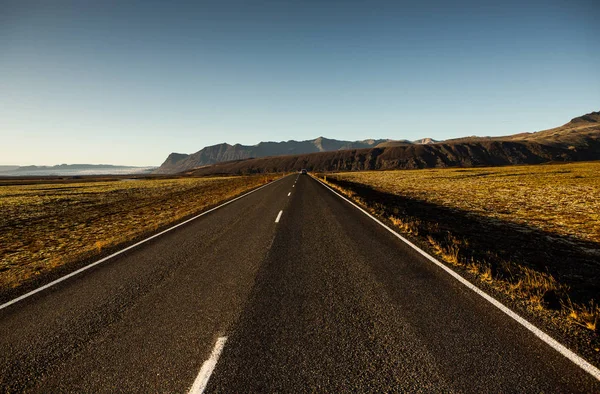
(177, 162)
(575, 141)
(577, 134)
(579, 139)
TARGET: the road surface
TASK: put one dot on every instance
(321, 299)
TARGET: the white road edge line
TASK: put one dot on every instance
(207, 368)
(579, 361)
(278, 216)
(29, 294)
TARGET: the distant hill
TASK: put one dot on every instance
(8, 168)
(390, 143)
(177, 162)
(387, 144)
(425, 141)
(576, 134)
(73, 169)
(575, 141)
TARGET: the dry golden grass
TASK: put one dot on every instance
(534, 285)
(562, 199)
(585, 315)
(44, 226)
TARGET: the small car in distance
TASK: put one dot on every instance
(303, 171)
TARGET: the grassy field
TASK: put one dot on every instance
(44, 226)
(532, 232)
(561, 199)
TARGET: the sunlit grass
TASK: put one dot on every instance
(562, 199)
(44, 226)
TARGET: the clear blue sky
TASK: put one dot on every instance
(129, 82)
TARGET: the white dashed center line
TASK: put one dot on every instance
(289, 193)
(278, 216)
(207, 368)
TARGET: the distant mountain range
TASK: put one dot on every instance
(178, 162)
(577, 140)
(73, 170)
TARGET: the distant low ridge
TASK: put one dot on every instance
(578, 140)
(73, 170)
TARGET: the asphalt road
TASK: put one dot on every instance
(323, 300)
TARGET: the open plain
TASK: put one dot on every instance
(562, 198)
(44, 226)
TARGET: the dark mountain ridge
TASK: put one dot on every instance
(177, 162)
(578, 140)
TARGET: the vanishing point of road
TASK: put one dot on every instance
(288, 289)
